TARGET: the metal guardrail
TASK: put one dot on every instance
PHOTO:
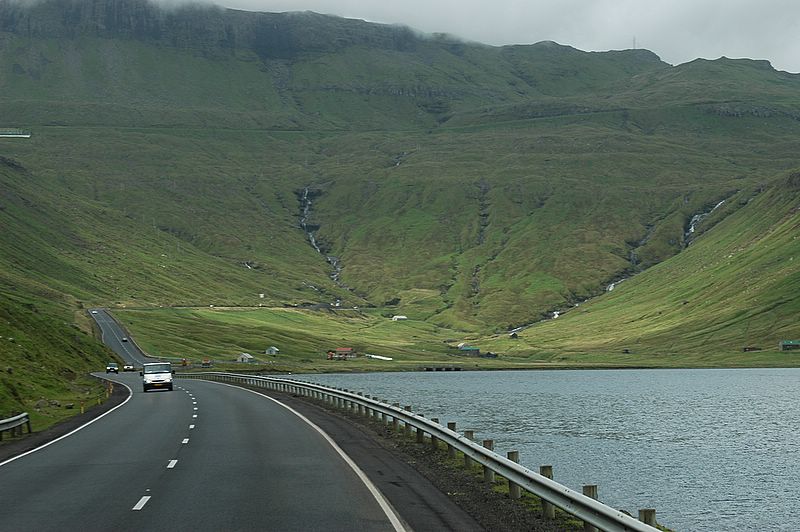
(15, 424)
(589, 510)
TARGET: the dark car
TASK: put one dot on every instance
(112, 366)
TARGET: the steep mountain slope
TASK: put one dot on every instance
(127, 62)
(473, 186)
(734, 289)
(45, 358)
(106, 239)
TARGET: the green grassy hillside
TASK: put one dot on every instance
(473, 188)
(735, 287)
(46, 354)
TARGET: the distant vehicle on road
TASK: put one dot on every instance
(127, 367)
(124, 338)
(157, 375)
(112, 367)
(94, 312)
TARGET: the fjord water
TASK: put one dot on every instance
(710, 450)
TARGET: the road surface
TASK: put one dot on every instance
(208, 456)
(113, 337)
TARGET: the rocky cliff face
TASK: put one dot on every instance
(197, 26)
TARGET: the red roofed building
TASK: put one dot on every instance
(341, 353)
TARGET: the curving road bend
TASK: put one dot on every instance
(113, 336)
(208, 456)
(202, 457)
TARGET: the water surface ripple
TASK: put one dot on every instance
(711, 450)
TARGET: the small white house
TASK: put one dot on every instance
(244, 358)
(272, 350)
(399, 317)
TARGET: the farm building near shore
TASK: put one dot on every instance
(341, 353)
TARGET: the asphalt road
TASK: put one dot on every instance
(202, 457)
(208, 456)
(113, 338)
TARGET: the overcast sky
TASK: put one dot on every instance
(677, 30)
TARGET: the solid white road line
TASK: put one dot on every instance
(141, 503)
(98, 418)
(387, 508)
(171, 464)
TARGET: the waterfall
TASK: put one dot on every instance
(696, 219)
(308, 229)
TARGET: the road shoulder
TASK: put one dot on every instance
(12, 448)
(426, 492)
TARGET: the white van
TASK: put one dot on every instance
(157, 375)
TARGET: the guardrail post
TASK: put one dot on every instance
(488, 474)
(451, 451)
(361, 408)
(514, 491)
(434, 439)
(347, 405)
(648, 516)
(590, 490)
(470, 435)
(407, 426)
(395, 419)
(548, 510)
(420, 435)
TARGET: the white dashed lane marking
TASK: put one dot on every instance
(185, 440)
(171, 464)
(141, 503)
